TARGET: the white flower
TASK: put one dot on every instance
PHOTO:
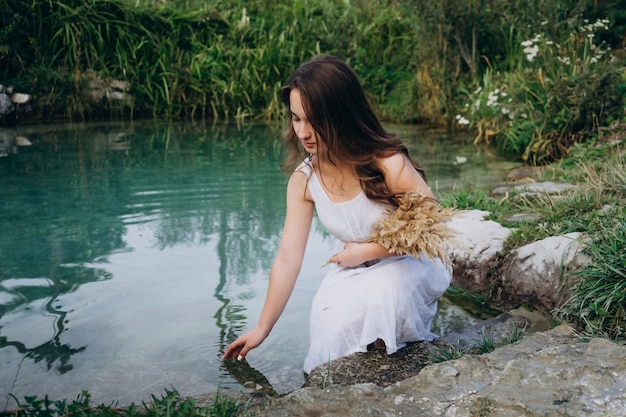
(462, 120)
(531, 52)
(602, 24)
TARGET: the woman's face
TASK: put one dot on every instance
(301, 125)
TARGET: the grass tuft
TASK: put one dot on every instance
(598, 304)
(171, 404)
(487, 344)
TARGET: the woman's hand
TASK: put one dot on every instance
(354, 254)
(244, 343)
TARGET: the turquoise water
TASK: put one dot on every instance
(131, 254)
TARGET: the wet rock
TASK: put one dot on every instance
(249, 377)
(551, 373)
(498, 329)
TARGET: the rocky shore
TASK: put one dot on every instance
(551, 373)
(548, 372)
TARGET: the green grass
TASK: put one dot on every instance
(445, 354)
(599, 301)
(169, 405)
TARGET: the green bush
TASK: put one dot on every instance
(565, 85)
(526, 76)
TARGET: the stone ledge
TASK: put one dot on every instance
(556, 372)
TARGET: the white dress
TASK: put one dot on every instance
(394, 300)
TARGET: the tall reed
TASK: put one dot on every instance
(427, 62)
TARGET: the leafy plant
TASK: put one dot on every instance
(169, 405)
(444, 354)
(599, 300)
(565, 84)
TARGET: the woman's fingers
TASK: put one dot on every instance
(234, 350)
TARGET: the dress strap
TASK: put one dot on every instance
(306, 167)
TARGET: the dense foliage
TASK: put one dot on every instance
(529, 77)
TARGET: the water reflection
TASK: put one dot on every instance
(53, 352)
(137, 252)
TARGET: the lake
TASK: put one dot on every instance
(132, 253)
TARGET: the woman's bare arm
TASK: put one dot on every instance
(285, 269)
(402, 177)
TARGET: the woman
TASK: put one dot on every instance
(349, 170)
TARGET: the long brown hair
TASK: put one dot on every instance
(337, 108)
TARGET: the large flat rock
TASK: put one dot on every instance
(552, 373)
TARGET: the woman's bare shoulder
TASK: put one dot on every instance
(394, 163)
(401, 175)
(298, 183)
